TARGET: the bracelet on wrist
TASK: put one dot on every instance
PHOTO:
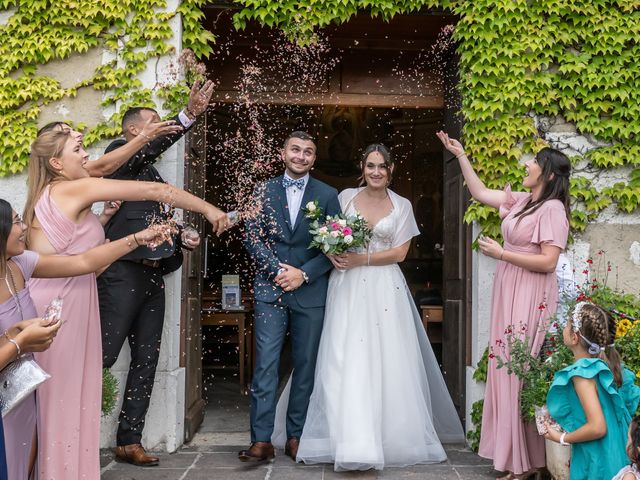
(501, 254)
(12, 340)
(562, 440)
(129, 243)
(190, 114)
(142, 134)
(136, 240)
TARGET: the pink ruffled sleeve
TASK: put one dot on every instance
(552, 227)
(513, 198)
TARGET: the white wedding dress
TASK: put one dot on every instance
(379, 398)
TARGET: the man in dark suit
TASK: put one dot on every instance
(290, 289)
(131, 290)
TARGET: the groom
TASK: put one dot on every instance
(290, 289)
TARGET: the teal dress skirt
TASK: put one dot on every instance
(598, 459)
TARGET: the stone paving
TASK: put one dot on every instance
(210, 462)
(212, 454)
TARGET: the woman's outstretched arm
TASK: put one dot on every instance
(479, 191)
(110, 162)
(54, 266)
(78, 195)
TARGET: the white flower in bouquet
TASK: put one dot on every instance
(311, 206)
(339, 233)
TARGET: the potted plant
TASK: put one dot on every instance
(537, 372)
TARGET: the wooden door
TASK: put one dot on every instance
(191, 340)
(456, 253)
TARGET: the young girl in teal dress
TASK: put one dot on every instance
(593, 399)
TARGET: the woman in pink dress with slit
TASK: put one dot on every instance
(18, 314)
(535, 228)
(58, 213)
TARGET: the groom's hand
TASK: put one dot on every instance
(290, 278)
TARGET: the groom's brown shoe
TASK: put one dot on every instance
(258, 452)
(291, 447)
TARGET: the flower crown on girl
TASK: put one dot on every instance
(576, 323)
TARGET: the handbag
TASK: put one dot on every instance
(18, 380)
(22, 376)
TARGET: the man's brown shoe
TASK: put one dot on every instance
(136, 455)
(291, 447)
(258, 452)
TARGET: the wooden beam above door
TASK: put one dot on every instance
(345, 99)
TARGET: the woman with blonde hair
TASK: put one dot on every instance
(24, 333)
(60, 221)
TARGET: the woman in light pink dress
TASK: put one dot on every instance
(58, 213)
(535, 228)
(30, 334)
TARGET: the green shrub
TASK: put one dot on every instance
(109, 391)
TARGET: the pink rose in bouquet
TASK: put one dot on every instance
(339, 233)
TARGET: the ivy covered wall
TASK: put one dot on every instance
(520, 60)
(34, 33)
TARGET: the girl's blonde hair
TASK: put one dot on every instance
(41, 173)
(598, 327)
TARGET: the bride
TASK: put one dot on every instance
(379, 399)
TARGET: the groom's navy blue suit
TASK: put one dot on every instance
(271, 240)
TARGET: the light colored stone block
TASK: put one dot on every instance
(72, 70)
(618, 241)
(83, 108)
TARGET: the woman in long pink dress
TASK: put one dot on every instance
(58, 213)
(535, 228)
(18, 312)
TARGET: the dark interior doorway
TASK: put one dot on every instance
(367, 81)
(342, 134)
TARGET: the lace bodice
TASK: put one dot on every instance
(383, 231)
(390, 231)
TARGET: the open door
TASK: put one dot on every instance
(456, 268)
(191, 341)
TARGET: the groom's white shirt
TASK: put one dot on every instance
(294, 198)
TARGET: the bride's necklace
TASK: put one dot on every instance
(8, 276)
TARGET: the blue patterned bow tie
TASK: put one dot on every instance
(288, 182)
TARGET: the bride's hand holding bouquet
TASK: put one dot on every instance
(338, 236)
(348, 260)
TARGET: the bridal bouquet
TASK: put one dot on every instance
(337, 233)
